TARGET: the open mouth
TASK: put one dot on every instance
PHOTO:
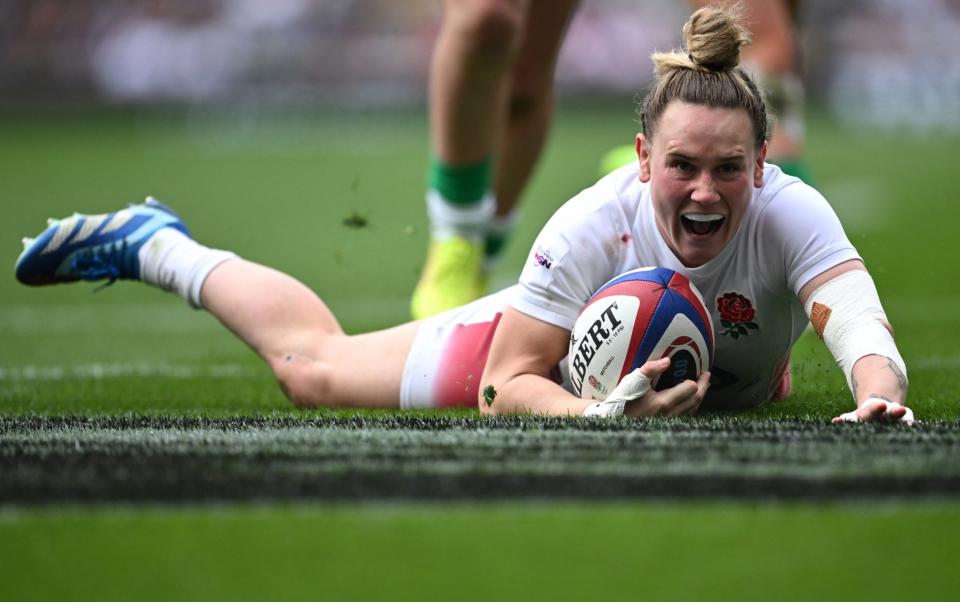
(701, 224)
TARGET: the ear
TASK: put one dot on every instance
(758, 167)
(643, 153)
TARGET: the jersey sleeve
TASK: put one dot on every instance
(802, 226)
(573, 256)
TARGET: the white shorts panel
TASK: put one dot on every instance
(447, 358)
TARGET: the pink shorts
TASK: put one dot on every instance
(449, 353)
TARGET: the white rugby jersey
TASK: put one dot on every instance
(789, 235)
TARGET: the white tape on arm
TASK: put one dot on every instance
(846, 313)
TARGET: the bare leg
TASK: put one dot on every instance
(468, 81)
(472, 58)
(529, 100)
(492, 86)
(476, 110)
(289, 326)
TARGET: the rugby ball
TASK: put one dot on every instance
(644, 314)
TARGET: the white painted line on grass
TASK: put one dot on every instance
(101, 371)
(860, 203)
(935, 362)
(104, 318)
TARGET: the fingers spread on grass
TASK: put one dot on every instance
(895, 412)
(873, 410)
(898, 413)
(878, 411)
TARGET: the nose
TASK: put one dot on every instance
(705, 189)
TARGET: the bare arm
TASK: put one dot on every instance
(517, 376)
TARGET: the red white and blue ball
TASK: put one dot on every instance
(642, 315)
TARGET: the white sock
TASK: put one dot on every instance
(447, 219)
(503, 224)
(174, 262)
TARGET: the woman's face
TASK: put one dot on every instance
(702, 167)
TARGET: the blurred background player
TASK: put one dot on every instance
(490, 96)
(772, 60)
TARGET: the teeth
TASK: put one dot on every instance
(27, 241)
(703, 217)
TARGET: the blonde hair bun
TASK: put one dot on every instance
(714, 35)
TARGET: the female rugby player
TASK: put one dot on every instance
(764, 248)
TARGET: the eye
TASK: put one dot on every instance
(681, 166)
(730, 169)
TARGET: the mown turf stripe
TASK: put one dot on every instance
(143, 458)
(106, 370)
(946, 430)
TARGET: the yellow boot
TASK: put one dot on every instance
(453, 276)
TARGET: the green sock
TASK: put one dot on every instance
(460, 185)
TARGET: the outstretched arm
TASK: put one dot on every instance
(845, 311)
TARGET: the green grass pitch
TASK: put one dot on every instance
(121, 409)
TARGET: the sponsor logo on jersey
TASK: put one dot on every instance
(542, 258)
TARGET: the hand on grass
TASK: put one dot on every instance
(878, 410)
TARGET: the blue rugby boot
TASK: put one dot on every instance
(94, 247)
